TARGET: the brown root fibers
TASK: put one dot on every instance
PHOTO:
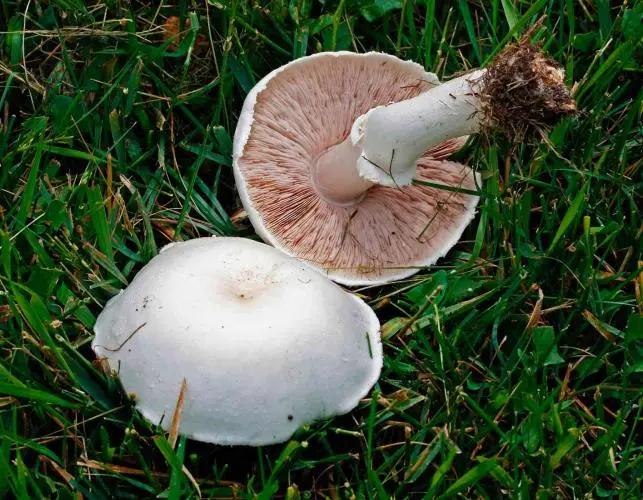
(523, 91)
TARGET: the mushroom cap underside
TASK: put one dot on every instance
(308, 106)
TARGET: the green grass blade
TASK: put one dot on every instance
(35, 395)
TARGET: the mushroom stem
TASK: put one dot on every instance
(520, 92)
(336, 177)
(393, 137)
(386, 142)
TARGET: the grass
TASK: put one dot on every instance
(513, 368)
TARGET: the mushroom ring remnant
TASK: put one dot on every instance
(264, 343)
(331, 215)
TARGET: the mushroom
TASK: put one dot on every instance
(263, 342)
(328, 145)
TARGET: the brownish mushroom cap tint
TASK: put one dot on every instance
(308, 106)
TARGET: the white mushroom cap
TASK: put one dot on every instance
(264, 342)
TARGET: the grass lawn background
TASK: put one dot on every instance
(513, 367)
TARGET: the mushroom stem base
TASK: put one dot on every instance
(335, 175)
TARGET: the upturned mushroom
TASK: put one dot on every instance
(263, 343)
(327, 147)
